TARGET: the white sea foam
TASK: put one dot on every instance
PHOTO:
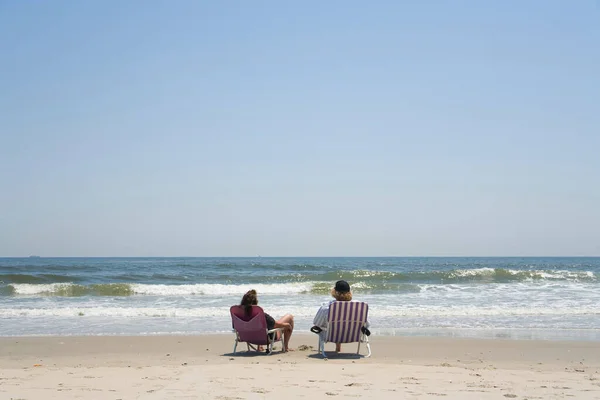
(561, 275)
(219, 289)
(360, 285)
(463, 311)
(29, 289)
(298, 311)
(473, 272)
(114, 312)
(533, 274)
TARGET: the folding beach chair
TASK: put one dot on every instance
(252, 329)
(346, 324)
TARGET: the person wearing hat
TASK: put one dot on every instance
(340, 292)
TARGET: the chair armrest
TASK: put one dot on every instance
(275, 330)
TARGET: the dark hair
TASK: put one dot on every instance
(249, 300)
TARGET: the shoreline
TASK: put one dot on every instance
(203, 366)
(509, 334)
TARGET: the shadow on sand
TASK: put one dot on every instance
(252, 353)
(332, 355)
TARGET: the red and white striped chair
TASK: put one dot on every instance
(345, 325)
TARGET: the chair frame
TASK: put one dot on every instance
(363, 338)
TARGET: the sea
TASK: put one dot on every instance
(508, 298)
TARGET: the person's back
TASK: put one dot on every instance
(286, 322)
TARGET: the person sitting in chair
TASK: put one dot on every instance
(286, 322)
(341, 292)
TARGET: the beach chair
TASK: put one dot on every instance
(253, 330)
(346, 324)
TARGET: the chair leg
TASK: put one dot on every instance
(322, 347)
(235, 346)
(368, 347)
(358, 350)
(270, 344)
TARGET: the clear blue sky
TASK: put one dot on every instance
(212, 128)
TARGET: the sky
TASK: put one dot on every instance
(338, 128)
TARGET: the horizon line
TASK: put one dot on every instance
(317, 256)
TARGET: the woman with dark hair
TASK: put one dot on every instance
(286, 322)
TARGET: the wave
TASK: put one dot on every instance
(130, 289)
(127, 289)
(362, 286)
(370, 279)
(288, 288)
(299, 311)
(71, 289)
(483, 275)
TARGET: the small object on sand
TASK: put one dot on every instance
(37, 365)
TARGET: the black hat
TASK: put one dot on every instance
(342, 287)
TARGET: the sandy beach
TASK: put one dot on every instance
(203, 367)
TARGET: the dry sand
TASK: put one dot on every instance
(202, 367)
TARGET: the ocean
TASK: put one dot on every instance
(511, 298)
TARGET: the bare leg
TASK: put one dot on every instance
(284, 321)
(338, 347)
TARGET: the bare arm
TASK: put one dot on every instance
(283, 325)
